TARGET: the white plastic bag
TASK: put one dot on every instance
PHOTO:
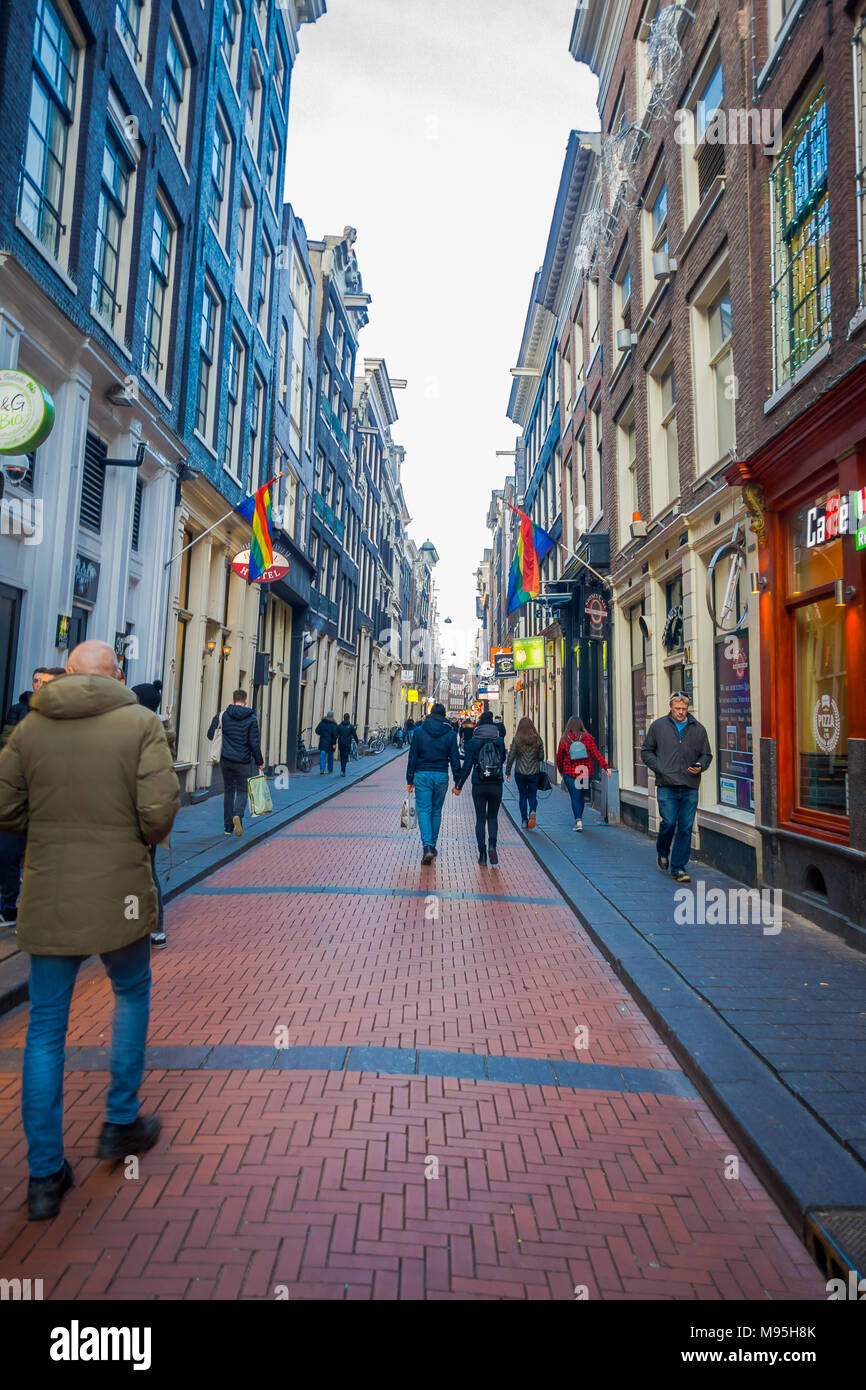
(409, 815)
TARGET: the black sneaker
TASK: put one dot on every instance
(157, 938)
(428, 855)
(482, 856)
(663, 863)
(494, 857)
(44, 1195)
(116, 1141)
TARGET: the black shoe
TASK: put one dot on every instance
(428, 855)
(681, 877)
(117, 1141)
(663, 863)
(435, 851)
(157, 938)
(482, 856)
(45, 1194)
(494, 857)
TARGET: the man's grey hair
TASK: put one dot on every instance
(679, 695)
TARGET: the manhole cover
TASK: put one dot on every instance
(837, 1237)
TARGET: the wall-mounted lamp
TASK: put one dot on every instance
(210, 646)
(226, 650)
(759, 583)
(843, 593)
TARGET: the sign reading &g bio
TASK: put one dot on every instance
(843, 514)
(529, 653)
(26, 413)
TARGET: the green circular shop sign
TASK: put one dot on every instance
(26, 413)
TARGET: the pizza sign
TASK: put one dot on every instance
(826, 723)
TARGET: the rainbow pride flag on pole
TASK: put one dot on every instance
(525, 579)
(257, 510)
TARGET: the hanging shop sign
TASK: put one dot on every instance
(278, 570)
(503, 663)
(26, 413)
(488, 692)
(529, 653)
(843, 514)
(596, 610)
(61, 635)
(412, 697)
(407, 675)
(86, 578)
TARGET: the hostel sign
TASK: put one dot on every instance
(843, 514)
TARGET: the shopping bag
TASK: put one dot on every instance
(409, 815)
(216, 744)
(259, 794)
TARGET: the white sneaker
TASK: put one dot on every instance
(578, 825)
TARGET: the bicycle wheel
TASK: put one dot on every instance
(354, 753)
(303, 761)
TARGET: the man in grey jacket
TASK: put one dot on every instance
(678, 751)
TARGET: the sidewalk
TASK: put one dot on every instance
(772, 1027)
(198, 846)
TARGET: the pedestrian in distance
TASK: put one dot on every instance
(241, 748)
(467, 729)
(347, 734)
(485, 760)
(526, 757)
(150, 695)
(90, 776)
(409, 726)
(327, 732)
(432, 751)
(499, 724)
(575, 755)
(677, 750)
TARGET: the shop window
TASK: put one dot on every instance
(672, 633)
(859, 47)
(822, 707)
(638, 693)
(734, 751)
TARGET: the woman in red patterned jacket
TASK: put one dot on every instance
(576, 770)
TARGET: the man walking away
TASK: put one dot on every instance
(409, 726)
(677, 750)
(347, 734)
(485, 759)
(432, 751)
(240, 748)
(89, 776)
(327, 731)
(527, 751)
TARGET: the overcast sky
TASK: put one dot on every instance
(438, 129)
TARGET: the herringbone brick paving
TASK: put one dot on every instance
(316, 1180)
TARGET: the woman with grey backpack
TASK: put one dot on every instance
(574, 758)
(526, 756)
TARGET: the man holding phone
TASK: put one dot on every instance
(677, 750)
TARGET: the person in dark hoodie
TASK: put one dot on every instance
(327, 731)
(346, 735)
(241, 746)
(485, 760)
(432, 750)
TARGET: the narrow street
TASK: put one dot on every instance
(369, 1086)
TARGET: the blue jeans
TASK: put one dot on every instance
(527, 792)
(431, 788)
(52, 979)
(577, 792)
(326, 755)
(677, 807)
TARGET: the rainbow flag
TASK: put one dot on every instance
(257, 510)
(525, 579)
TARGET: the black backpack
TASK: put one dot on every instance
(490, 759)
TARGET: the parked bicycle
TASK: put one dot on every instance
(303, 757)
(376, 741)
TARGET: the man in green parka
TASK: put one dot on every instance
(88, 778)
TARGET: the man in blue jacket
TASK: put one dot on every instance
(432, 750)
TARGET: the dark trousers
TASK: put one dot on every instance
(677, 807)
(235, 777)
(487, 797)
(11, 858)
(527, 791)
(160, 911)
(345, 751)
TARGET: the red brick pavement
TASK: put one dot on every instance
(316, 1180)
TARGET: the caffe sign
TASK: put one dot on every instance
(26, 413)
(843, 514)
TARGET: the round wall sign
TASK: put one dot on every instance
(278, 570)
(826, 723)
(26, 413)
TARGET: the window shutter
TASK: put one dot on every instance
(93, 483)
(711, 163)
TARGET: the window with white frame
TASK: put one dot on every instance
(273, 160)
(112, 250)
(597, 460)
(283, 368)
(255, 478)
(626, 467)
(578, 350)
(209, 338)
(330, 321)
(297, 399)
(175, 107)
(253, 115)
(308, 420)
(592, 290)
(703, 150)
(715, 390)
(664, 455)
(777, 13)
(47, 174)
(800, 205)
(263, 312)
(260, 9)
(859, 47)
(230, 36)
(622, 294)
(220, 174)
(245, 246)
(234, 412)
(654, 229)
(643, 83)
(300, 291)
(160, 287)
(132, 21)
(280, 74)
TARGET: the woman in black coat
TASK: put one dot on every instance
(347, 734)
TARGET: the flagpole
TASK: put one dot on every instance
(229, 513)
(570, 554)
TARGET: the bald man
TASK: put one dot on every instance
(89, 778)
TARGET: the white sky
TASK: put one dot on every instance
(438, 129)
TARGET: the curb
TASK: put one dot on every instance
(15, 971)
(801, 1164)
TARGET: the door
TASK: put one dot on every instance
(10, 614)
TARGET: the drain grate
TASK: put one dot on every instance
(836, 1239)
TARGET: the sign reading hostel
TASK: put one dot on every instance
(529, 653)
(26, 413)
